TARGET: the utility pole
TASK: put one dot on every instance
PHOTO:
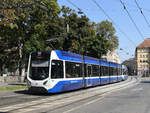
(67, 28)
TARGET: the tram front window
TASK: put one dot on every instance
(39, 66)
(39, 71)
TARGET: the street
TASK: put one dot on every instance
(74, 56)
(131, 99)
(22, 101)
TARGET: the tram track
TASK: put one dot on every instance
(63, 99)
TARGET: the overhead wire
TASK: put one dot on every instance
(129, 15)
(107, 17)
(145, 9)
(126, 36)
(114, 23)
(142, 13)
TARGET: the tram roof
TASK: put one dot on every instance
(104, 63)
(63, 55)
(113, 64)
(76, 57)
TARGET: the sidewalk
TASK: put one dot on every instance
(4, 85)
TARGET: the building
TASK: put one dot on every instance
(112, 56)
(131, 65)
(143, 57)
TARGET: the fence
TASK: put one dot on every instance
(11, 79)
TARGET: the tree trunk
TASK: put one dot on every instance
(1, 69)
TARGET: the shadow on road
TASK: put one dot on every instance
(26, 92)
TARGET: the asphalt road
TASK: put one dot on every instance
(91, 100)
(135, 99)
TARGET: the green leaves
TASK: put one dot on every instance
(106, 30)
(31, 22)
(88, 38)
(27, 23)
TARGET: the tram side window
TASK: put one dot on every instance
(89, 71)
(85, 70)
(110, 71)
(119, 71)
(115, 71)
(57, 69)
(73, 70)
(101, 71)
(104, 71)
(107, 71)
(95, 70)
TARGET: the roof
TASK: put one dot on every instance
(144, 44)
(64, 55)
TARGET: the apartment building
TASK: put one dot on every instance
(131, 65)
(112, 56)
(143, 57)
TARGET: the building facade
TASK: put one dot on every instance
(131, 65)
(112, 56)
(143, 57)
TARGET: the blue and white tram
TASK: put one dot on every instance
(58, 71)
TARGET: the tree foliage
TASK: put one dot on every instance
(106, 30)
(26, 25)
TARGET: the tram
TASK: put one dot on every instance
(59, 71)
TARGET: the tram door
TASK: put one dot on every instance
(89, 74)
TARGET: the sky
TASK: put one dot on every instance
(129, 36)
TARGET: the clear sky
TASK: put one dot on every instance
(115, 10)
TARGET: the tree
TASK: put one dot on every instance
(79, 28)
(25, 23)
(106, 30)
